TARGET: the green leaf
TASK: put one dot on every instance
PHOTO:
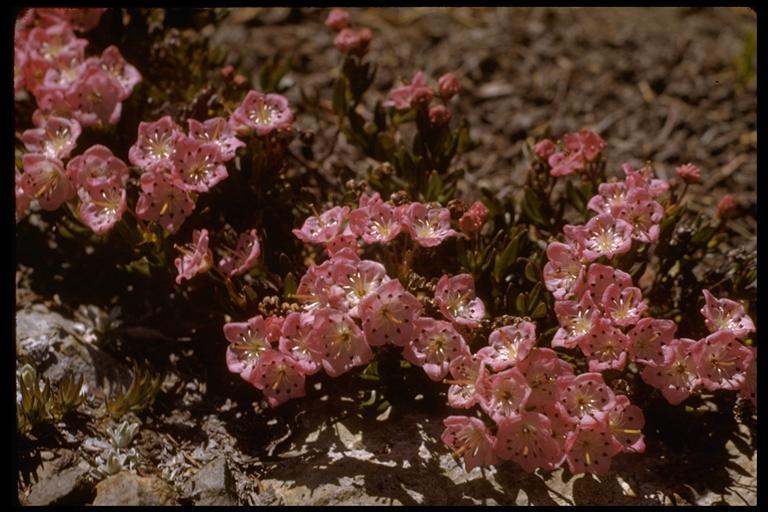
(535, 296)
(434, 187)
(289, 285)
(532, 272)
(532, 207)
(340, 96)
(140, 266)
(520, 303)
(506, 258)
(540, 311)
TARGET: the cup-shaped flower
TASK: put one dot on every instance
(577, 319)
(97, 98)
(244, 256)
(643, 178)
(603, 235)
(726, 315)
(294, 341)
(721, 361)
(587, 143)
(427, 226)
(112, 62)
(377, 222)
(218, 131)
(455, 296)
(564, 269)
(343, 244)
(156, 143)
(102, 205)
(469, 438)
(586, 396)
(318, 289)
(625, 422)
(163, 199)
(55, 138)
(247, 344)
(598, 279)
(678, 376)
(262, 113)
(279, 377)
(590, 447)
(527, 440)
(97, 167)
(473, 219)
(448, 86)
(605, 347)
(196, 258)
(358, 280)
(196, 164)
(644, 215)
(509, 345)
(44, 179)
(388, 314)
(320, 229)
(611, 198)
(434, 345)
(647, 338)
(543, 369)
(338, 342)
(623, 306)
(466, 370)
(49, 43)
(400, 97)
(563, 164)
(504, 394)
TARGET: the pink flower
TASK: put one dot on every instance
(721, 361)
(509, 345)
(577, 319)
(97, 167)
(196, 164)
(726, 205)
(262, 113)
(96, 98)
(19, 65)
(624, 306)
(544, 149)
(51, 103)
(586, 397)
(377, 222)
(196, 258)
(163, 199)
(603, 235)
(388, 314)
(434, 345)
(726, 315)
(599, 278)
(448, 86)
(625, 422)
(749, 387)
(22, 198)
(589, 449)
(543, 369)
(647, 338)
(466, 370)
(247, 344)
(587, 143)
(611, 198)
(564, 269)
(357, 280)
(337, 19)
(56, 138)
(81, 20)
(421, 96)
(677, 377)
(563, 164)
(455, 296)
(345, 243)
(439, 115)
(643, 179)
(102, 206)
(318, 288)
(274, 327)
(473, 219)
(112, 62)
(643, 214)
(353, 42)
(400, 97)
(51, 43)
(279, 377)
(338, 342)
(218, 131)
(527, 440)
(44, 179)
(156, 143)
(324, 227)
(689, 173)
(245, 255)
(296, 334)
(504, 394)
(605, 347)
(470, 439)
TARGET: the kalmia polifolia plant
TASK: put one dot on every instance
(550, 318)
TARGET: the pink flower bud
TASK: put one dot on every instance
(689, 173)
(337, 19)
(421, 96)
(725, 206)
(227, 71)
(348, 41)
(473, 220)
(439, 115)
(239, 80)
(544, 149)
(448, 86)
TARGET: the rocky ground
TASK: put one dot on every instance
(661, 84)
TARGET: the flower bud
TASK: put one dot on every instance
(689, 173)
(227, 71)
(544, 149)
(448, 86)
(474, 219)
(421, 96)
(337, 19)
(439, 115)
(725, 206)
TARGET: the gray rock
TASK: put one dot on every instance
(214, 484)
(49, 342)
(67, 487)
(128, 489)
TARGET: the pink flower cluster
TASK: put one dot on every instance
(418, 95)
(579, 149)
(50, 62)
(348, 41)
(377, 222)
